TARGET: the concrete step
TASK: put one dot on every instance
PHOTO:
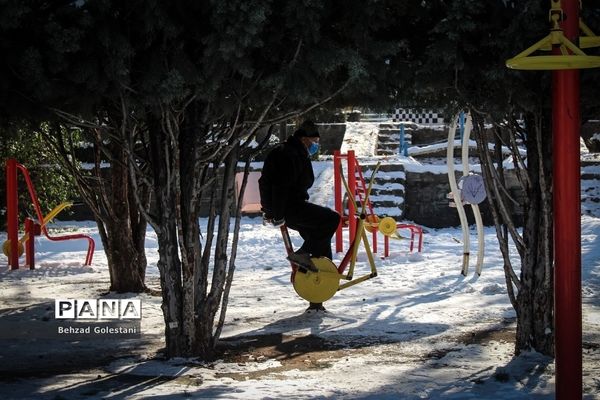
(396, 125)
(590, 163)
(394, 132)
(590, 170)
(388, 152)
(368, 168)
(372, 117)
(590, 195)
(392, 147)
(392, 139)
(387, 193)
(394, 212)
(387, 203)
(387, 186)
(590, 176)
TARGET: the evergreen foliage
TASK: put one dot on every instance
(52, 186)
(458, 58)
(460, 64)
(169, 91)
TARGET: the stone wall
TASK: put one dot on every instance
(426, 204)
(590, 132)
(331, 137)
(422, 136)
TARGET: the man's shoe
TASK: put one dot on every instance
(315, 307)
(303, 260)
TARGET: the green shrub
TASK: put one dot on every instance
(52, 185)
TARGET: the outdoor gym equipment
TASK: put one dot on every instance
(459, 193)
(566, 124)
(320, 286)
(356, 190)
(32, 229)
(403, 149)
(570, 57)
(13, 247)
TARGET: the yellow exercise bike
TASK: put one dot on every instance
(320, 285)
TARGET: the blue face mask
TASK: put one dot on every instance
(313, 148)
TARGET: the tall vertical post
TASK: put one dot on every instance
(461, 122)
(337, 187)
(30, 243)
(567, 218)
(12, 212)
(402, 149)
(352, 187)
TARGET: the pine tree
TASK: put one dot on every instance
(172, 92)
(461, 65)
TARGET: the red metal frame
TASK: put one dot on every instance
(12, 166)
(32, 229)
(567, 219)
(361, 193)
(338, 204)
(415, 230)
(12, 212)
(358, 188)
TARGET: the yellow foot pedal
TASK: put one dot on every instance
(318, 287)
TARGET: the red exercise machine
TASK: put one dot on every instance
(13, 248)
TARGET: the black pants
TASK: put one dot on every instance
(316, 226)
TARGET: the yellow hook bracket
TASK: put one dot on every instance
(589, 39)
(577, 59)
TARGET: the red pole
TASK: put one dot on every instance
(337, 187)
(567, 219)
(12, 212)
(352, 187)
(30, 243)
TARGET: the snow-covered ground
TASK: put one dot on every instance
(419, 330)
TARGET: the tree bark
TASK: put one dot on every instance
(535, 299)
(125, 231)
(531, 292)
(165, 225)
(109, 194)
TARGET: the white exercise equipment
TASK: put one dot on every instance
(470, 189)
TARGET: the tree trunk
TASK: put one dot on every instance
(109, 194)
(535, 300)
(205, 335)
(169, 267)
(126, 260)
(124, 230)
(165, 225)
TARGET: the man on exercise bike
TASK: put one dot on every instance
(286, 177)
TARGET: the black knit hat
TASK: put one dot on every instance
(307, 129)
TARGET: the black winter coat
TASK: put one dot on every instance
(286, 177)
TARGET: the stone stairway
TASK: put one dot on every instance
(374, 117)
(388, 139)
(387, 193)
(590, 187)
